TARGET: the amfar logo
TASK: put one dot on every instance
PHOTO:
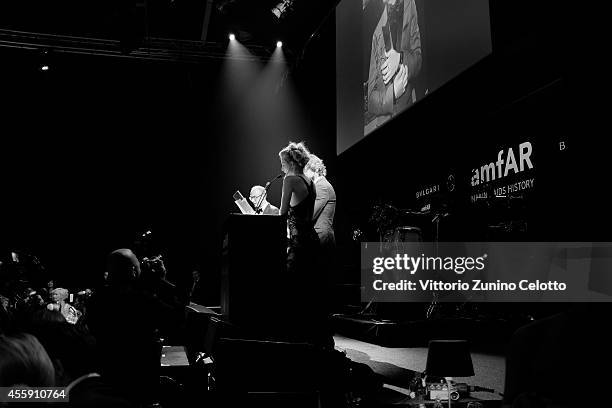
(493, 170)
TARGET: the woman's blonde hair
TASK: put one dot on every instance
(61, 293)
(316, 166)
(295, 155)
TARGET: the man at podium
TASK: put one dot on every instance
(258, 193)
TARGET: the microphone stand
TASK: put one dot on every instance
(265, 193)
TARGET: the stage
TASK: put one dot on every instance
(397, 366)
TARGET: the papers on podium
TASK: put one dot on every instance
(243, 204)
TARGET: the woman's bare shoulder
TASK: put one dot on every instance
(291, 179)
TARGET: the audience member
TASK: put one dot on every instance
(6, 316)
(72, 352)
(125, 320)
(196, 292)
(46, 291)
(24, 362)
(59, 297)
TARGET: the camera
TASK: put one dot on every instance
(154, 265)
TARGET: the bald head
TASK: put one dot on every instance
(123, 266)
(256, 195)
(257, 190)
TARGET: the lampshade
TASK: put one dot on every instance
(449, 358)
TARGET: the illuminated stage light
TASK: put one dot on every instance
(282, 8)
(44, 68)
(279, 44)
(232, 37)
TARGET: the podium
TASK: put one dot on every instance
(253, 275)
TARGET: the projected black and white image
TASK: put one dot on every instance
(393, 39)
(391, 54)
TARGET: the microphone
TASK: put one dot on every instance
(273, 180)
(265, 193)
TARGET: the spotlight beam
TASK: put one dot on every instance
(206, 21)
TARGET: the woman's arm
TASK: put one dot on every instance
(286, 196)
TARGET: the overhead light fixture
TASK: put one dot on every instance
(232, 37)
(282, 8)
(43, 60)
(279, 44)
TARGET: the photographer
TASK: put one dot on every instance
(153, 276)
(125, 318)
(154, 281)
(6, 317)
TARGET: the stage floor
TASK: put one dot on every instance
(396, 365)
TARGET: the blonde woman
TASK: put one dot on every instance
(297, 203)
(59, 297)
(305, 297)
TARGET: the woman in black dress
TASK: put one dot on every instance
(303, 297)
(297, 202)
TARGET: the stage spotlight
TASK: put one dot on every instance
(279, 44)
(232, 37)
(43, 60)
(282, 8)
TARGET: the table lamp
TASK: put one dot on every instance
(449, 358)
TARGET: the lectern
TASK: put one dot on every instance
(253, 278)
